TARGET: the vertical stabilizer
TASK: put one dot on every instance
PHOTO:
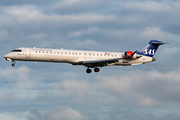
(151, 48)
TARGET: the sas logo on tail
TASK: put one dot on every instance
(149, 51)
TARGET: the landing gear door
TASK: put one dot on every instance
(27, 52)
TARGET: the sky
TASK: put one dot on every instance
(57, 91)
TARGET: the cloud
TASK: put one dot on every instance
(30, 13)
(8, 116)
(64, 114)
(146, 88)
(75, 86)
(25, 2)
(147, 102)
(19, 73)
(78, 6)
(31, 26)
(152, 6)
(57, 113)
(156, 33)
(20, 78)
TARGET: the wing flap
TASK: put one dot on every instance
(100, 63)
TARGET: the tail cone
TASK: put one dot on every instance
(153, 59)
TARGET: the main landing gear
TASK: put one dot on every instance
(88, 70)
(95, 70)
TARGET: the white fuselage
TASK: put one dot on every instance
(71, 56)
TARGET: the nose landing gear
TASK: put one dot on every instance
(13, 63)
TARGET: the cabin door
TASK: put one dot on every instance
(27, 52)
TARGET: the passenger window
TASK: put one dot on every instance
(46, 52)
(76, 53)
(79, 53)
(61, 52)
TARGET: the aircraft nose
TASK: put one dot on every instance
(153, 59)
(5, 56)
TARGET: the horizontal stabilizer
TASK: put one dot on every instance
(155, 42)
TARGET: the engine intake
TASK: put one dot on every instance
(128, 53)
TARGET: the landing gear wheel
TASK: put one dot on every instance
(96, 69)
(13, 64)
(88, 70)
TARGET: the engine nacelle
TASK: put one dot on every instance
(128, 53)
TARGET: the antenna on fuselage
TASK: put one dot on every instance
(34, 46)
(61, 48)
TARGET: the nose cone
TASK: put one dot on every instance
(5, 56)
(153, 59)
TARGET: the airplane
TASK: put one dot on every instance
(89, 59)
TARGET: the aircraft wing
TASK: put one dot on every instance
(100, 63)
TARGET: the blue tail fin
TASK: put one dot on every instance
(151, 48)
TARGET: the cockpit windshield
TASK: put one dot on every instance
(16, 50)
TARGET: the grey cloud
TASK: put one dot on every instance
(24, 2)
(154, 87)
(108, 112)
(141, 88)
(43, 29)
(58, 113)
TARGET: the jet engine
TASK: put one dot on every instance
(128, 53)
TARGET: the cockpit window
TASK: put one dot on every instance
(16, 51)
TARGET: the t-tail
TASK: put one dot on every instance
(151, 48)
